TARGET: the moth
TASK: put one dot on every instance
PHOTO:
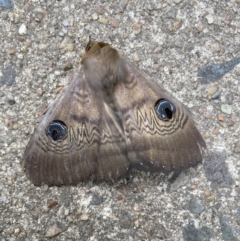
(109, 119)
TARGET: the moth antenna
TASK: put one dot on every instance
(89, 44)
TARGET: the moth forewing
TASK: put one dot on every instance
(110, 118)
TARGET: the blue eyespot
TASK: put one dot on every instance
(57, 130)
(164, 109)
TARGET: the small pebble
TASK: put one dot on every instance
(7, 121)
(156, 66)
(40, 10)
(193, 186)
(65, 42)
(206, 135)
(38, 17)
(210, 18)
(69, 219)
(67, 66)
(136, 223)
(21, 39)
(51, 30)
(39, 92)
(58, 73)
(215, 47)
(41, 109)
(11, 102)
(119, 197)
(103, 20)
(79, 211)
(227, 109)
(23, 29)
(147, 229)
(136, 207)
(215, 132)
(52, 204)
(209, 196)
(177, 1)
(212, 90)
(8, 150)
(195, 207)
(4, 199)
(199, 26)
(66, 212)
(45, 209)
(15, 126)
(43, 47)
(216, 95)
(208, 114)
(70, 47)
(94, 16)
(65, 23)
(138, 28)
(135, 57)
(64, 31)
(177, 24)
(20, 56)
(61, 33)
(114, 23)
(11, 51)
(84, 217)
(17, 231)
(220, 117)
(24, 49)
(53, 231)
(231, 122)
(59, 89)
(207, 193)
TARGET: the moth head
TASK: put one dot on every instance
(103, 66)
(164, 109)
(57, 130)
(93, 46)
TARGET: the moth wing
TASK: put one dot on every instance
(153, 143)
(94, 145)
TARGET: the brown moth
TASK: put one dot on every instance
(111, 118)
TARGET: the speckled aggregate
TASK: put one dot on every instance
(42, 42)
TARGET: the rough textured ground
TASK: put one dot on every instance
(192, 49)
